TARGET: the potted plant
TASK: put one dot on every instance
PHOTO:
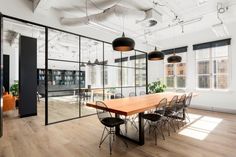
(14, 89)
(156, 87)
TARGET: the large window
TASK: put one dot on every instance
(212, 68)
(175, 74)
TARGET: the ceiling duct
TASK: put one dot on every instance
(114, 10)
(152, 18)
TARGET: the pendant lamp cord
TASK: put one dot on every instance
(96, 52)
(123, 19)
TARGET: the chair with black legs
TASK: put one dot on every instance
(170, 109)
(109, 122)
(178, 113)
(155, 119)
(119, 95)
(187, 104)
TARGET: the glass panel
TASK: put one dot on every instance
(110, 55)
(170, 82)
(220, 81)
(140, 61)
(140, 77)
(94, 76)
(220, 51)
(169, 70)
(62, 91)
(63, 76)
(202, 54)
(140, 90)
(220, 66)
(91, 50)
(128, 77)
(93, 89)
(203, 67)
(204, 81)
(105, 75)
(130, 59)
(113, 76)
(181, 81)
(63, 46)
(92, 58)
(128, 92)
(110, 92)
(181, 69)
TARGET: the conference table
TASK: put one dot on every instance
(135, 105)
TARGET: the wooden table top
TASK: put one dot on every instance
(132, 105)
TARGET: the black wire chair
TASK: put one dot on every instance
(178, 113)
(109, 122)
(155, 119)
(170, 110)
(187, 104)
(119, 95)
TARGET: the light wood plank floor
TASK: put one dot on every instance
(209, 134)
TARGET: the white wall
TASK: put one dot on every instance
(14, 61)
(212, 100)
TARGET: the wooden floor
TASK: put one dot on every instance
(209, 134)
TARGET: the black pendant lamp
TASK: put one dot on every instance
(96, 61)
(82, 64)
(89, 63)
(123, 44)
(156, 55)
(174, 59)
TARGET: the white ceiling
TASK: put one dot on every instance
(63, 45)
(174, 13)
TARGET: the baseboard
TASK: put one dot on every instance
(215, 109)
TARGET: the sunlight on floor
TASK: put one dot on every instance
(200, 126)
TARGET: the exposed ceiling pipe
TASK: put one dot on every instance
(115, 10)
(181, 23)
(94, 8)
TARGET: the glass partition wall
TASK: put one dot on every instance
(73, 70)
(82, 70)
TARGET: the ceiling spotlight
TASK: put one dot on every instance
(155, 55)
(123, 44)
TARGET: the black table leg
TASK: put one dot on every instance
(117, 127)
(184, 116)
(141, 128)
(141, 131)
